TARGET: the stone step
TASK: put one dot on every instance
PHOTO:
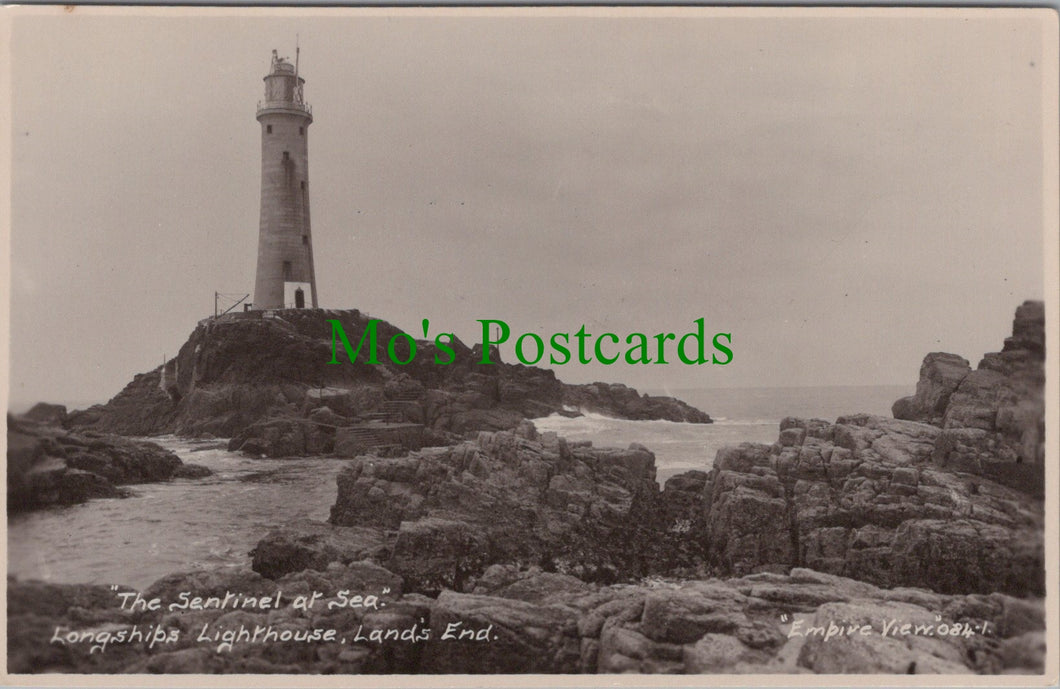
(367, 437)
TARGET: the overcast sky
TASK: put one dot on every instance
(842, 193)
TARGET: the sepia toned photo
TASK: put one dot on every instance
(639, 342)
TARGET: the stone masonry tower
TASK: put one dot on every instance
(285, 277)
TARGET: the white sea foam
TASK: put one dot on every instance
(740, 415)
(677, 446)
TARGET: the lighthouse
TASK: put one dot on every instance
(285, 276)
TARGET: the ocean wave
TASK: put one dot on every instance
(722, 421)
(677, 446)
(594, 420)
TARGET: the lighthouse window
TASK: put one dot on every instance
(305, 239)
(268, 129)
(287, 270)
(286, 155)
(301, 131)
(303, 185)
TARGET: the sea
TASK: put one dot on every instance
(214, 522)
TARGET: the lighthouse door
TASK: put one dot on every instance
(299, 298)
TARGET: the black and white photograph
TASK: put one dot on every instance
(452, 343)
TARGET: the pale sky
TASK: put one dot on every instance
(843, 194)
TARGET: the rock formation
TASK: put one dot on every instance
(940, 374)
(860, 498)
(265, 377)
(536, 622)
(880, 500)
(441, 517)
(864, 498)
(868, 545)
(49, 466)
(992, 418)
(952, 500)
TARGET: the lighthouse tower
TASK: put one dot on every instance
(285, 276)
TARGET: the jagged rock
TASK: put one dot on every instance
(382, 492)
(682, 505)
(940, 374)
(993, 417)
(979, 452)
(967, 554)
(434, 554)
(313, 545)
(870, 504)
(514, 497)
(119, 460)
(899, 502)
(867, 497)
(49, 466)
(749, 525)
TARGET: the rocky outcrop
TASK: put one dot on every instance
(527, 621)
(285, 437)
(49, 466)
(867, 545)
(238, 374)
(864, 498)
(993, 418)
(887, 501)
(46, 413)
(514, 497)
(443, 516)
(940, 374)
(312, 545)
(626, 403)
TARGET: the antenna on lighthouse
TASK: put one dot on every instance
(297, 83)
(297, 51)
